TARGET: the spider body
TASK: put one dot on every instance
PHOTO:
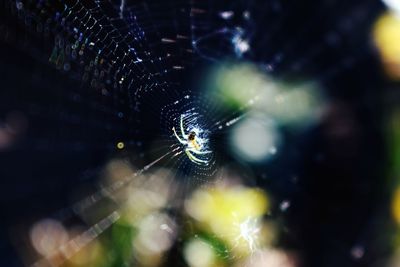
(191, 144)
(192, 136)
(192, 141)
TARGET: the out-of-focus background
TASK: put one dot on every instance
(293, 105)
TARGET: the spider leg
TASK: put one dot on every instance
(183, 142)
(183, 129)
(194, 158)
(198, 152)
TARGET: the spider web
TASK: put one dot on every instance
(139, 59)
(130, 56)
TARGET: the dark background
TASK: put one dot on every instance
(340, 199)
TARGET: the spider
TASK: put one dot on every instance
(192, 144)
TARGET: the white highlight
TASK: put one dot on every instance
(284, 205)
(226, 14)
(47, 236)
(198, 253)
(121, 9)
(249, 231)
(255, 139)
(241, 45)
(156, 234)
(393, 4)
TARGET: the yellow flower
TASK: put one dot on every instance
(233, 214)
(386, 36)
